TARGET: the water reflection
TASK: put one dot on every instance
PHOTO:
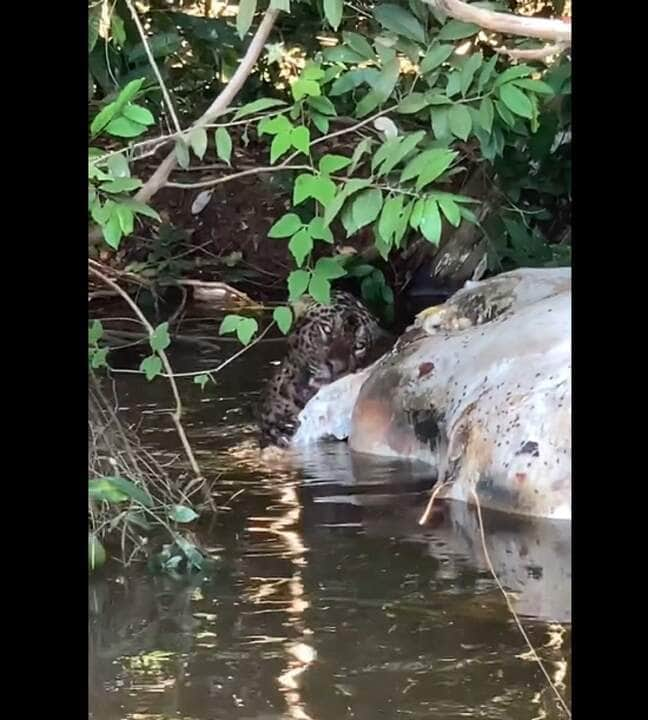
(329, 601)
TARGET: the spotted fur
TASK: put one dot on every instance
(327, 342)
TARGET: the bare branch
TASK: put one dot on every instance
(533, 53)
(508, 23)
(218, 107)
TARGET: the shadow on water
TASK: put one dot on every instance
(329, 600)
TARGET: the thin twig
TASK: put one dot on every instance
(520, 627)
(177, 414)
(154, 66)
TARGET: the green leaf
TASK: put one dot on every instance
(319, 288)
(359, 44)
(300, 139)
(486, 114)
(332, 163)
(257, 106)
(342, 54)
(112, 231)
(244, 17)
(368, 103)
(140, 208)
(102, 490)
(229, 324)
(245, 330)
(198, 140)
(486, 73)
(457, 30)
(96, 332)
(515, 100)
(436, 160)
(438, 99)
(118, 166)
(366, 206)
(123, 127)
(413, 103)
(321, 122)
(300, 245)
(347, 81)
(280, 145)
(430, 224)
(182, 514)
(454, 84)
(536, 86)
(440, 122)
(504, 113)
(151, 367)
(362, 148)
(103, 117)
(132, 491)
(319, 231)
(275, 126)
(286, 225)
(125, 184)
(436, 56)
(160, 339)
(283, 317)
(389, 217)
(312, 71)
(117, 29)
(138, 114)
(460, 121)
(401, 151)
(329, 268)
(451, 210)
(304, 88)
(297, 284)
(417, 214)
(360, 270)
(322, 105)
(182, 153)
(383, 85)
(201, 380)
(468, 71)
(223, 145)
(400, 21)
(384, 151)
(99, 358)
(333, 12)
(435, 167)
(512, 73)
(126, 218)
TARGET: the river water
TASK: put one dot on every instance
(327, 600)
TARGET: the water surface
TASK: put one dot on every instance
(328, 600)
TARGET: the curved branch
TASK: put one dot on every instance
(546, 29)
(218, 107)
(177, 414)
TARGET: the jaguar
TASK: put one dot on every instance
(327, 342)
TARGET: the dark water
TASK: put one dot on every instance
(328, 600)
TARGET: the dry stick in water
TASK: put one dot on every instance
(177, 414)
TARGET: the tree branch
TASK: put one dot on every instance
(533, 53)
(218, 107)
(508, 23)
(177, 414)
